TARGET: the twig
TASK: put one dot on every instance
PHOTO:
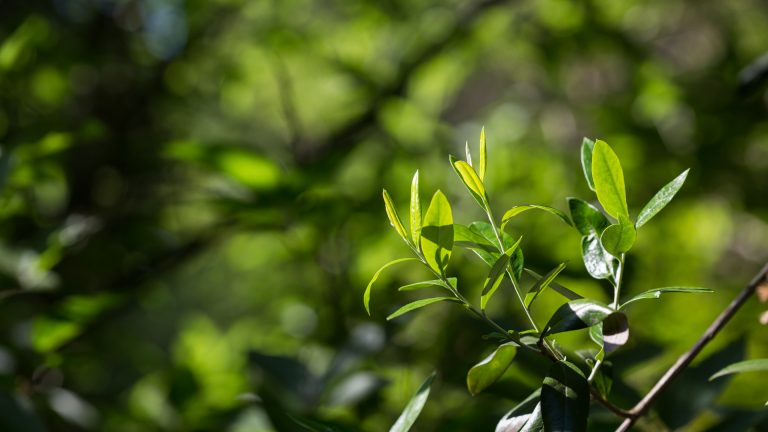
(611, 407)
(686, 358)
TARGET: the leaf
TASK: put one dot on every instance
(526, 416)
(437, 233)
(468, 153)
(427, 284)
(603, 381)
(615, 331)
(586, 218)
(657, 292)
(414, 407)
(367, 294)
(464, 237)
(598, 262)
(565, 398)
(619, 238)
(563, 291)
(415, 209)
(420, 304)
(758, 365)
(488, 371)
(394, 220)
(516, 210)
(485, 230)
(496, 275)
(470, 179)
(483, 155)
(542, 284)
(575, 315)
(661, 199)
(587, 147)
(609, 180)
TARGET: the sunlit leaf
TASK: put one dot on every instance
(575, 315)
(516, 210)
(427, 284)
(483, 155)
(489, 370)
(542, 284)
(415, 209)
(657, 292)
(661, 199)
(414, 407)
(367, 294)
(485, 230)
(496, 274)
(420, 304)
(464, 237)
(437, 233)
(757, 365)
(563, 291)
(470, 179)
(587, 146)
(526, 416)
(598, 262)
(619, 238)
(586, 218)
(565, 398)
(394, 219)
(609, 180)
(467, 153)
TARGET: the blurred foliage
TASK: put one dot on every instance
(191, 202)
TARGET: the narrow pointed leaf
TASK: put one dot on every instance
(415, 209)
(587, 146)
(609, 180)
(367, 294)
(437, 233)
(470, 179)
(420, 304)
(615, 331)
(498, 270)
(565, 398)
(414, 407)
(657, 292)
(468, 153)
(489, 370)
(486, 231)
(516, 210)
(575, 315)
(598, 262)
(586, 218)
(758, 365)
(661, 199)
(563, 291)
(619, 238)
(394, 219)
(427, 284)
(527, 414)
(542, 284)
(483, 155)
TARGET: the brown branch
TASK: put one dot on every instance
(606, 403)
(688, 357)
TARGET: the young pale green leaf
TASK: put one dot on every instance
(437, 233)
(516, 210)
(367, 294)
(542, 284)
(429, 283)
(489, 370)
(563, 291)
(657, 292)
(465, 237)
(575, 315)
(468, 153)
(496, 275)
(615, 331)
(598, 262)
(420, 304)
(394, 219)
(485, 230)
(596, 334)
(470, 179)
(586, 218)
(609, 180)
(661, 199)
(526, 416)
(565, 398)
(587, 146)
(619, 238)
(758, 365)
(483, 155)
(415, 209)
(414, 407)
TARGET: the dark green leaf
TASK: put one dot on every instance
(657, 292)
(542, 284)
(437, 233)
(603, 381)
(470, 179)
(565, 398)
(609, 180)
(489, 370)
(575, 315)
(420, 304)
(526, 416)
(414, 407)
(758, 365)
(615, 331)
(661, 199)
(586, 218)
(587, 146)
(394, 219)
(415, 209)
(563, 291)
(516, 210)
(496, 274)
(597, 261)
(427, 284)
(367, 294)
(619, 238)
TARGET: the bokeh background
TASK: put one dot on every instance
(191, 202)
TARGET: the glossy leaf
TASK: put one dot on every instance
(485, 230)
(565, 398)
(496, 275)
(367, 294)
(757, 365)
(483, 155)
(598, 262)
(470, 179)
(586, 218)
(609, 180)
(464, 237)
(489, 370)
(394, 219)
(575, 315)
(437, 233)
(563, 291)
(526, 416)
(619, 238)
(657, 292)
(516, 210)
(661, 199)
(414, 407)
(542, 284)
(587, 146)
(415, 209)
(615, 331)
(427, 284)
(420, 304)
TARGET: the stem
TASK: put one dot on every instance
(619, 277)
(595, 369)
(685, 359)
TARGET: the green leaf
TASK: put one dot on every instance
(575, 315)
(615, 331)
(657, 292)
(758, 365)
(609, 180)
(598, 262)
(603, 381)
(563, 291)
(420, 304)
(661, 199)
(414, 407)
(427, 284)
(586, 218)
(565, 398)
(483, 155)
(516, 210)
(489, 370)
(587, 146)
(485, 230)
(437, 233)
(526, 416)
(367, 294)
(496, 275)
(394, 219)
(415, 209)
(542, 284)
(470, 179)
(619, 238)
(464, 237)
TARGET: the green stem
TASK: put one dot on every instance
(619, 277)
